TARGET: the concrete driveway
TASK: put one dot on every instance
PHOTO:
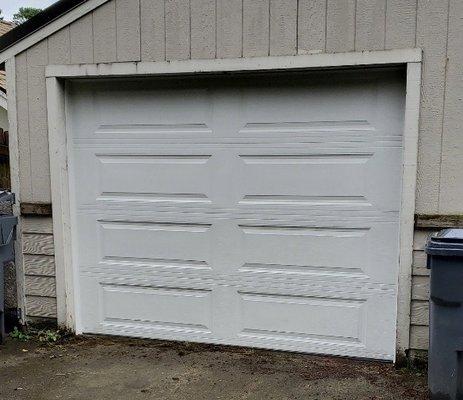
(114, 368)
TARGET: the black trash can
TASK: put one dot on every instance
(7, 234)
(445, 259)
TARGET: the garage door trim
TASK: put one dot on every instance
(62, 202)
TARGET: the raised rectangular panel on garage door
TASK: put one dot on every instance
(231, 211)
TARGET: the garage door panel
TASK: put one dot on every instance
(342, 180)
(164, 307)
(173, 178)
(244, 213)
(328, 250)
(160, 242)
(109, 177)
(279, 317)
(186, 111)
(321, 179)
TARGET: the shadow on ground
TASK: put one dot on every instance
(115, 368)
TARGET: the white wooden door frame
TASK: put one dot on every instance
(57, 131)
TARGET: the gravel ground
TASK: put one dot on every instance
(99, 368)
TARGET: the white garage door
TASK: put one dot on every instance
(259, 212)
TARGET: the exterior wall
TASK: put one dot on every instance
(3, 119)
(419, 335)
(39, 267)
(159, 30)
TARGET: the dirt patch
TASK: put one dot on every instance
(119, 368)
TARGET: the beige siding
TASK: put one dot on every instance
(432, 19)
(81, 40)
(451, 183)
(104, 33)
(340, 26)
(229, 28)
(256, 28)
(177, 29)
(152, 30)
(311, 26)
(419, 312)
(283, 27)
(203, 29)
(401, 23)
(39, 267)
(128, 30)
(370, 25)
(156, 30)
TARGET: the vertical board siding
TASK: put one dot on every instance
(37, 59)
(177, 29)
(229, 29)
(128, 30)
(152, 30)
(59, 51)
(22, 107)
(370, 25)
(340, 27)
(283, 27)
(432, 22)
(81, 32)
(203, 25)
(256, 25)
(451, 184)
(311, 26)
(104, 32)
(400, 23)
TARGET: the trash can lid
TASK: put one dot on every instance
(447, 242)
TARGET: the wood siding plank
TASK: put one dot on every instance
(104, 32)
(203, 23)
(153, 30)
(420, 288)
(37, 225)
(37, 59)
(451, 187)
(419, 258)
(283, 27)
(59, 49)
(40, 286)
(39, 265)
(400, 24)
(256, 28)
(229, 28)
(311, 26)
(340, 26)
(22, 107)
(420, 313)
(420, 271)
(419, 239)
(177, 29)
(128, 30)
(81, 32)
(38, 244)
(44, 307)
(370, 25)
(431, 22)
(419, 337)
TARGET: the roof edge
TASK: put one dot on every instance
(37, 22)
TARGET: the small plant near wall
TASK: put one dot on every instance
(48, 336)
(19, 335)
